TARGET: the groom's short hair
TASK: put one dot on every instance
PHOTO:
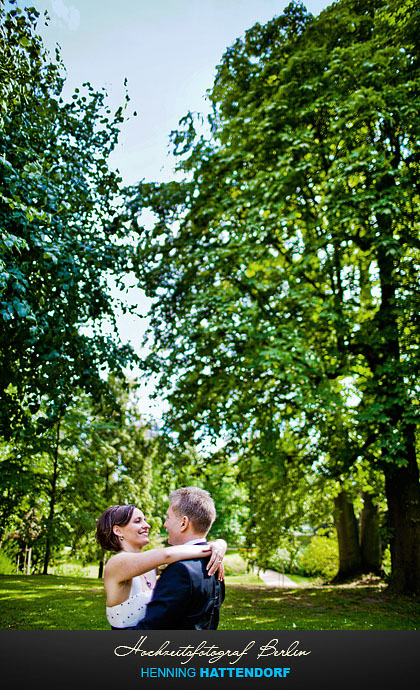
(196, 504)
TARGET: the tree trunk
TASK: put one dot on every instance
(102, 563)
(28, 565)
(403, 497)
(401, 482)
(348, 541)
(53, 493)
(370, 545)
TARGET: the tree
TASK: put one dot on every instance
(285, 266)
(348, 537)
(369, 539)
(217, 473)
(94, 457)
(116, 464)
(284, 497)
(61, 243)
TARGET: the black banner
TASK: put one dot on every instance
(212, 660)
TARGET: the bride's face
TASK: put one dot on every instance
(135, 532)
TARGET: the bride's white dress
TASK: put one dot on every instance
(129, 613)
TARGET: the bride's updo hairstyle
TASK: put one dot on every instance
(115, 515)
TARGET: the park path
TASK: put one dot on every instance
(274, 579)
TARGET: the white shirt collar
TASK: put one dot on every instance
(198, 540)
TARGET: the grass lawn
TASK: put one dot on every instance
(52, 602)
(361, 606)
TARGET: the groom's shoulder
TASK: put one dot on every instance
(191, 566)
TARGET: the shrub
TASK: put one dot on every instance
(386, 562)
(288, 559)
(74, 569)
(279, 560)
(6, 565)
(67, 571)
(234, 564)
(320, 558)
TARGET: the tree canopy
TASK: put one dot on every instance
(285, 265)
(60, 241)
(68, 444)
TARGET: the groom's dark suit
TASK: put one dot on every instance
(186, 597)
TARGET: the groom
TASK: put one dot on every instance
(186, 597)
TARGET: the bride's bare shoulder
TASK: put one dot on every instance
(114, 561)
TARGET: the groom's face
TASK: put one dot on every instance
(172, 525)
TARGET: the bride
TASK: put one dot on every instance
(130, 575)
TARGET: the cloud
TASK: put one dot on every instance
(68, 13)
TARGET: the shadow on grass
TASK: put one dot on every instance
(344, 607)
(49, 602)
(74, 603)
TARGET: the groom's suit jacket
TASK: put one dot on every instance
(186, 597)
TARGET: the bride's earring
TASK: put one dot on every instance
(121, 538)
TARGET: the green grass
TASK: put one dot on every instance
(53, 602)
(50, 602)
(360, 606)
(243, 579)
(306, 581)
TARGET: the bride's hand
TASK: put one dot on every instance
(218, 550)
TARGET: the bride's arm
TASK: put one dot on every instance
(123, 566)
(218, 551)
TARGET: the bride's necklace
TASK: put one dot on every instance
(148, 583)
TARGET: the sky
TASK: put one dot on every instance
(168, 51)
